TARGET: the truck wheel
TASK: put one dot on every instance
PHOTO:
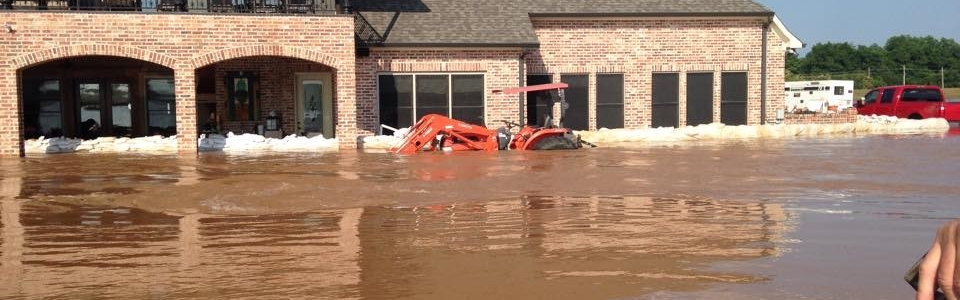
(555, 142)
(915, 117)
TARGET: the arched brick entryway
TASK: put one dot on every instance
(17, 124)
(278, 77)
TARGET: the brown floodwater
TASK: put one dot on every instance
(813, 218)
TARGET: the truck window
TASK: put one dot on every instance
(887, 96)
(871, 97)
(920, 95)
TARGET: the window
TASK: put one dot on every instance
(576, 116)
(931, 95)
(161, 107)
(699, 98)
(539, 103)
(665, 110)
(405, 98)
(467, 102)
(733, 98)
(887, 96)
(838, 90)
(42, 109)
(871, 97)
(609, 100)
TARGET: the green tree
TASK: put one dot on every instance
(921, 58)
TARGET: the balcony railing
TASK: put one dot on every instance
(191, 6)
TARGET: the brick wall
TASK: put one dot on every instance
(846, 116)
(635, 48)
(500, 68)
(639, 48)
(182, 42)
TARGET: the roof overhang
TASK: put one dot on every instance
(790, 42)
(460, 45)
(651, 15)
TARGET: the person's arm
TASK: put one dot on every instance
(939, 266)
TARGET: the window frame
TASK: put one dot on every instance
(887, 96)
(37, 83)
(621, 104)
(450, 93)
(146, 105)
(867, 99)
(728, 115)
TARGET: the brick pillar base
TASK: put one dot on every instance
(186, 99)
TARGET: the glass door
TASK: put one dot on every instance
(104, 109)
(314, 113)
(89, 110)
(122, 125)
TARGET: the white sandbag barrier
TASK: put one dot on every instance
(150, 144)
(718, 131)
(166, 145)
(252, 143)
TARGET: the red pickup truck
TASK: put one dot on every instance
(909, 101)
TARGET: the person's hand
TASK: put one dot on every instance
(940, 266)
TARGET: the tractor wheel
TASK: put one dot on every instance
(556, 143)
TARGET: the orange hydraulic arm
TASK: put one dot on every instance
(436, 132)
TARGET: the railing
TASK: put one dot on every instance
(366, 34)
(192, 6)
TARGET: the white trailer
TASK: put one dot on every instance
(817, 96)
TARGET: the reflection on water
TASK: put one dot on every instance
(554, 247)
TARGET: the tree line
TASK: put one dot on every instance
(909, 59)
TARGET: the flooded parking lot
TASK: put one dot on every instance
(814, 218)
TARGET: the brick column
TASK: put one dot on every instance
(9, 113)
(186, 97)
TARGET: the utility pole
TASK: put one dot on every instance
(904, 74)
(941, 76)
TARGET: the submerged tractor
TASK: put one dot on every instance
(439, 133)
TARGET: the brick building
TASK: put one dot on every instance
(83, 68)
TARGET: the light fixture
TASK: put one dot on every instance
(9, 27)
(273, 121)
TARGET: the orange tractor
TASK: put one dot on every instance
(439, 133)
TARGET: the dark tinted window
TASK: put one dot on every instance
(699, 98)
(871, 97)
(576, 116)
(467, 101)
(932, 95)
(396, 100)
(887, 96)
(733, 98)
(609, 100)
(665, 110)
(41, 109)
(433, 95)
(539, 103)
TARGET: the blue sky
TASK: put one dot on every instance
(863, 22)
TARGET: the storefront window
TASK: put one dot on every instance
(42, 109)
(161, 107)
(407, 97)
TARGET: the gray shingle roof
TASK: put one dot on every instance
(507, 23)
